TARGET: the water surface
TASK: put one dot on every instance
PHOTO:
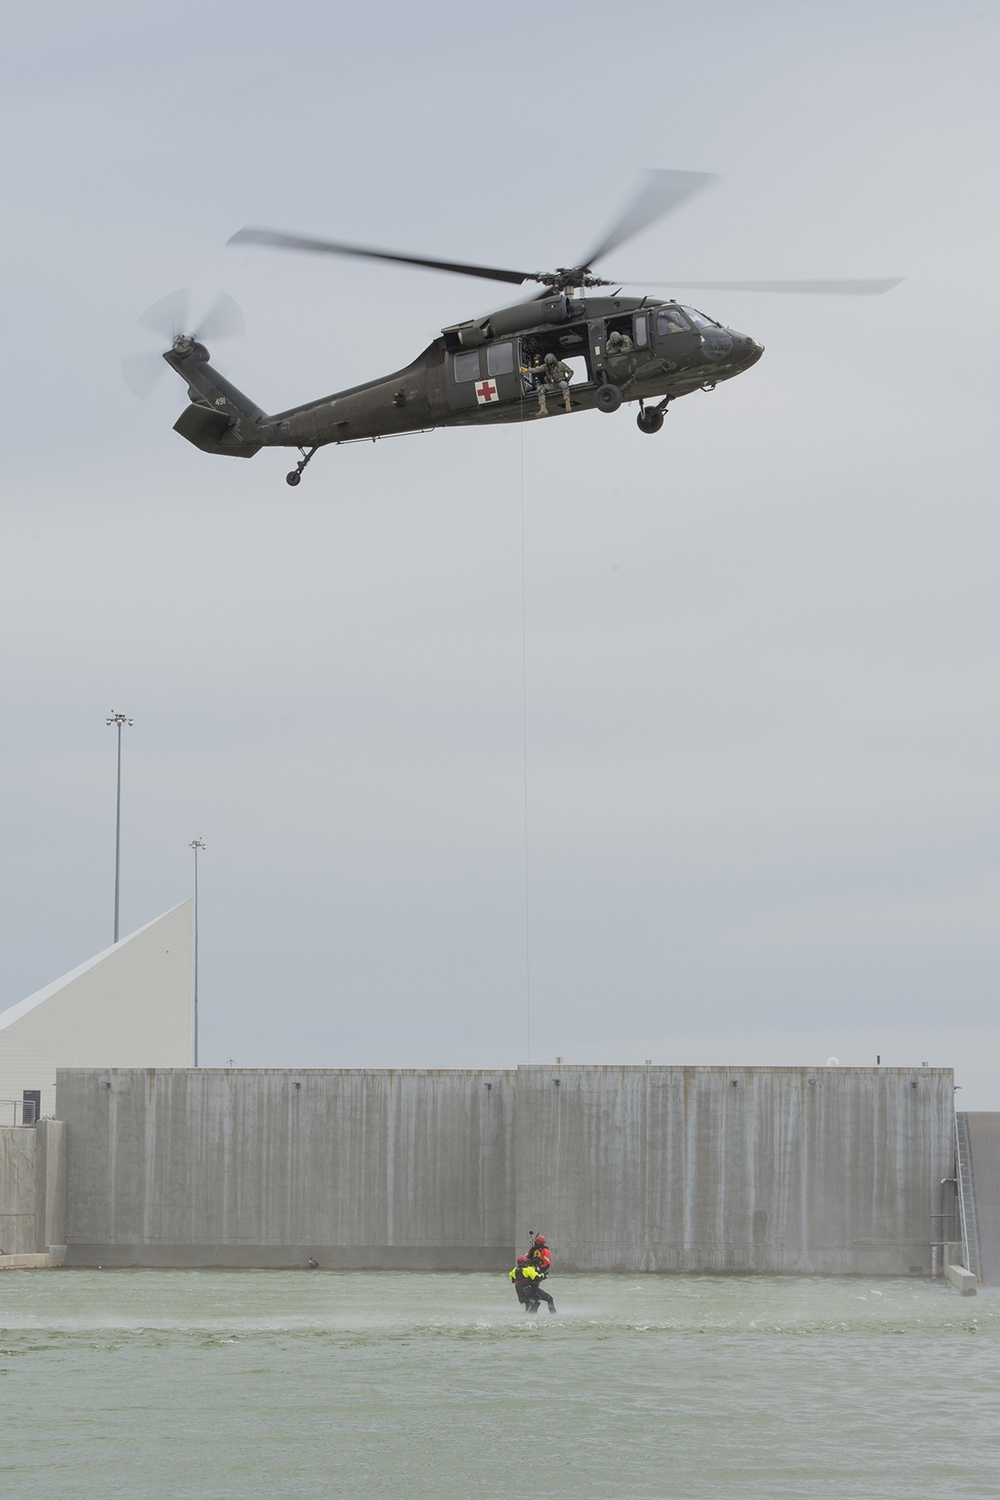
(317, 1384)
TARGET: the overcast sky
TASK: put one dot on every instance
(560, 738)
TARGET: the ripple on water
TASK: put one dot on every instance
(258, 1383)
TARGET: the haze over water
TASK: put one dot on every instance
(220, 1384)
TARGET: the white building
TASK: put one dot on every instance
(129, 1007)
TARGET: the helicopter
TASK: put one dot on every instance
(563, 351)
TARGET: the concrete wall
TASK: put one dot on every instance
(17, 1189)
(389, 1168)
(50, 1179)
(631, 1169)
(32, 1188)
(742, 1169)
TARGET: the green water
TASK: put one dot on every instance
(317, 1384)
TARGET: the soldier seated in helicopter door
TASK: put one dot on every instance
(545, 374)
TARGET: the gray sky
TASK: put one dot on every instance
(759, 650)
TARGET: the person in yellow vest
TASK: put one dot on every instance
(527, 1280)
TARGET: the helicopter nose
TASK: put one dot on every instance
(746, 350)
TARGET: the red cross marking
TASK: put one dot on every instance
(486, 390)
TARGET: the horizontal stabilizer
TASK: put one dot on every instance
(209, 431)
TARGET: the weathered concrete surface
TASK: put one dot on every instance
(32, 1188)
(50, 1260)
(634, 1169)
(50, 1186)
(350, 1168)
(984, 1147)
(18, 1202)
(742, 1169)
(962, 1279)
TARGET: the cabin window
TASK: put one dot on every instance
(670, 320)
(466, 366)
(641, 330)
(500, 359)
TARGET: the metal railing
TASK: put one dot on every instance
(17, 1112)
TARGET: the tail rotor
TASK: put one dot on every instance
(170, 319)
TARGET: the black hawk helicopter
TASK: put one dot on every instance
(563, 351)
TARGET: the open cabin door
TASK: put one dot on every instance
(570, 347)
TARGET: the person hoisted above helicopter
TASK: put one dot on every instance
(550, 375)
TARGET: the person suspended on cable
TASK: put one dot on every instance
(521, 1282)
(539, 1254)
(528, 1286)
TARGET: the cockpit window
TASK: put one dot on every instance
(699, 319)
(670, 320)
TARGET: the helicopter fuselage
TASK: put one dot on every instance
(487, 370)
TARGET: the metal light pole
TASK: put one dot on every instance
(119, 720)
(197, 845)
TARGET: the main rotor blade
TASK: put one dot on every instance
(662, 191)
(873, 287)
(332, 247)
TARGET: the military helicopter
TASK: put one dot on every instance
(561, 352)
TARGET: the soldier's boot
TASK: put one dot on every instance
(543, 410)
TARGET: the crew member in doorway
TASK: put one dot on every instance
(551, 375)
(619, 343)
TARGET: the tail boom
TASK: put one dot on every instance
(220, 419)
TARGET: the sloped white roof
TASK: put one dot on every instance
(128, 1007)
(15, 1012)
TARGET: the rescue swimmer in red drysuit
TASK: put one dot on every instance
(539, 1254)
(527, 1280)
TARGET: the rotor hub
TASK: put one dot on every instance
(569, 278)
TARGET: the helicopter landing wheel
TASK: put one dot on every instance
(649, 421)
(295, 477)
(608, 398)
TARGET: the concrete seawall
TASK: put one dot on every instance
(634, 1169)
(375, 1168)
(741, 1169)
(32, 1194)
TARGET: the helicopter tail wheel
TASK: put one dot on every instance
(608, 398)
(295, 477)
(649, 421)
